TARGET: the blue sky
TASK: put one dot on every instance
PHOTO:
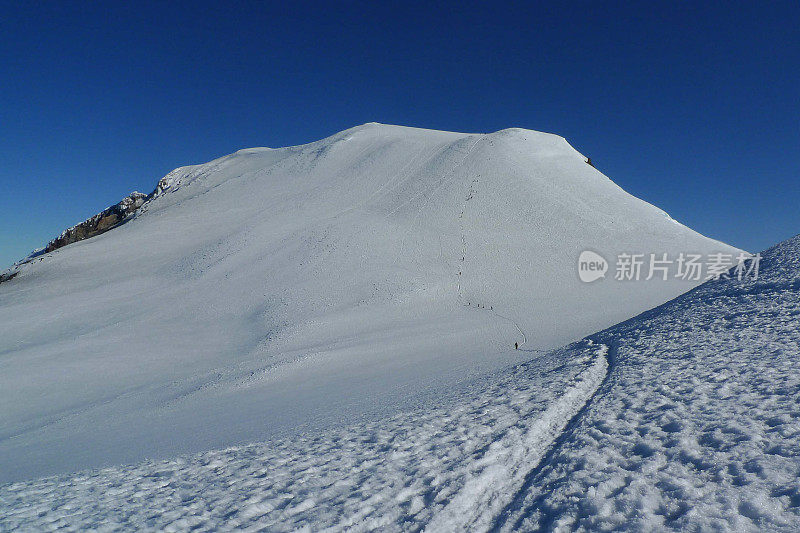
(692, 107)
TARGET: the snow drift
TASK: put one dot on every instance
(275, 292)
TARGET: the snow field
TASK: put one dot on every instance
(438, 468)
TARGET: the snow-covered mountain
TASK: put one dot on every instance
(273, 293)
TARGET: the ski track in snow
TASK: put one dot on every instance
(504, 470)
(443, 468)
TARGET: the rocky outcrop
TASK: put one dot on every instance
(115, 215)
(5, 276)
(101, 222)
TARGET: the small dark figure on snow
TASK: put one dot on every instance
(516, 346)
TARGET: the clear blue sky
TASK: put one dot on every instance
(693, 108)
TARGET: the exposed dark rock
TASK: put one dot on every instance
(5, 276)
(101, 222)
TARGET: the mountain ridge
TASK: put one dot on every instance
(120, 212)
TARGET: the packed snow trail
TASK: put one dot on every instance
(698, 425)
(440, 467)
(499, 474)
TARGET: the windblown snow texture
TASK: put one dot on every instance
(697, 427)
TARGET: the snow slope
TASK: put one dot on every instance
(697, 427)
(444, 466)
(687, 420)
(273, 293)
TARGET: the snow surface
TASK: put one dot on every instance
(286, 293)
(446, 466)
(688, 419)
(697, 427)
